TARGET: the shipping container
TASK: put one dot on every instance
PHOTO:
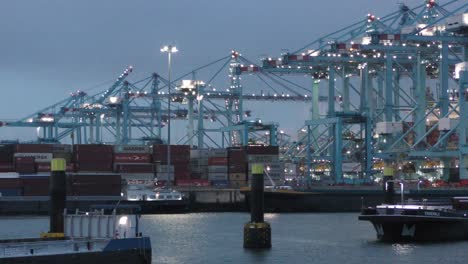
(67, 156)
(262, 158)
(11, 192)
(8, 175)
(132, 158)
(62, 148)
(7, 167)
(93, 148)
(6, 157)
(238, 184)
(137, 176)
(222, 153)
(218, 176)
(199, 153)
(218, 161)
(34, 148)
(237, 177)
(217, 169)
(142, 149)
(38, 186)
(135, 168)
(96, 166)
(11, 183)
(220, 183)
(37, 157)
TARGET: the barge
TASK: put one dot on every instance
(420, 221)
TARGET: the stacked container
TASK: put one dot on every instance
(237, 167)
(180, 162)
(93, 158)
(134, 162)
(29, 156)
(10, 184)
(269, 157)
(82, 184)
(6, 158)
(218, 167)
(199, 163)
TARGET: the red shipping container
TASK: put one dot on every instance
(43, 167)
(97, 178)
(38, 186)
(92, 148)
(182, 175)
(93, 157)
(237, 168)
(135, 168)
(6, 167)
(6, 157)
(34, 148)
(217, 161)
(24, 160)
(132, 158)
(11, 183)
(100, 166)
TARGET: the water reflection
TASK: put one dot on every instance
(403, 249)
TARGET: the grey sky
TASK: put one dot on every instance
(51, 48)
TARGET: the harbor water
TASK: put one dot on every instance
(296, 238)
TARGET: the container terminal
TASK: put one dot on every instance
(388, 98)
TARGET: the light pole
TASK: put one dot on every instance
(169, 49)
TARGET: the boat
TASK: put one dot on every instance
(88, 237)
(110, 234)
(420, 221)
(341, 198)
(156, 200)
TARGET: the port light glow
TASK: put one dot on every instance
(123, 220)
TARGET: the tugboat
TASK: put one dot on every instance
(82, 237)
(419, 221)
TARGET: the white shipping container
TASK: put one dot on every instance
(132, 149)
(222, 153)
(9, 175)
(38, 157)
(199, 153)
(137, 176)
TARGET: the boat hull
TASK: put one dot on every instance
(399, 228)
(115, 257)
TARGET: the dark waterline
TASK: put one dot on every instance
(296, 238)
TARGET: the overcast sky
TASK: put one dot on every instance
(51, 48)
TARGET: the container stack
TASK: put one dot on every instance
(134, 163)
(269, 156)
(6, 158)
(93, 158)
(10, 184)
(218, 167)
(94, 184)
(237, 167)
(199, 163)
(30, 157)
(180, 162)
